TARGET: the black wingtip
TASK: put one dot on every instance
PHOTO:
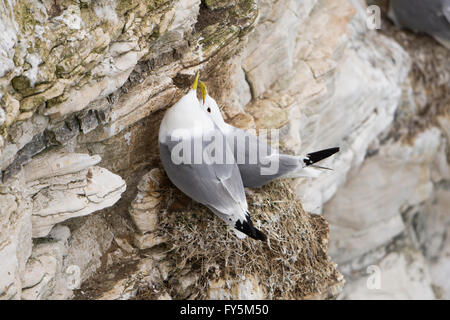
(248, 228)
(317, 156)
(258, 235)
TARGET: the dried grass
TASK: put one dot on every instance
(293, 264)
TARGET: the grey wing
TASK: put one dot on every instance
(218, 186)
(253, 156)
(446, 9)
(247, 147)
(228, 173)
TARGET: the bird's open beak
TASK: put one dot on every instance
(194, 85)
(203, 91)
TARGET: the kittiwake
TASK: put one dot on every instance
(218, 186)
(259, 163)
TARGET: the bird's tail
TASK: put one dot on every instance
(308, 172)
(246, 226)
(308, 168)
(314, 157)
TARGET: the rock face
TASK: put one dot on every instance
(390, 207)
(15, 239)
(64, 186)
(83, 201)
(49, 190)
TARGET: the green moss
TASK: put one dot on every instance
(20, 83)
(88, 16)
(35, 90)
(68, 65)
(148, 6)
(232, 19)
(84, 5)
(219, 4)
(216, 37)
(55, 101)
(32, 102)
(125, 5)
(18, 57)
(24, 15)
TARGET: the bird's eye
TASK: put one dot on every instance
(209, 110)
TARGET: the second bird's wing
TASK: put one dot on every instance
(258, 162)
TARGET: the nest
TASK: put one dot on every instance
(293, 264)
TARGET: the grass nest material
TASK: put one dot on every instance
(293, 264)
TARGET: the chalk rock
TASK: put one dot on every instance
(45, 277)
(440, 273)
(90, 238)
(65, 186)
(145, 207)
(15, 240)
(365, 212)
(400, 275)
(359, 102)
(242, 289)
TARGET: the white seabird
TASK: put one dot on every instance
(218, 186)
(256, 167)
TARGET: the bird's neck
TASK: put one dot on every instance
(223, 126)
(218, 120)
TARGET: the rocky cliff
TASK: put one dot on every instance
(86, 212)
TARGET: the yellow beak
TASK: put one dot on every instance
(194, 85)
(203, 91)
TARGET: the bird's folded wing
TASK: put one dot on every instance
(230, 177)
(257, 147)
(218, 186)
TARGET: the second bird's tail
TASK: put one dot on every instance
(308, 169)
(314, 157)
